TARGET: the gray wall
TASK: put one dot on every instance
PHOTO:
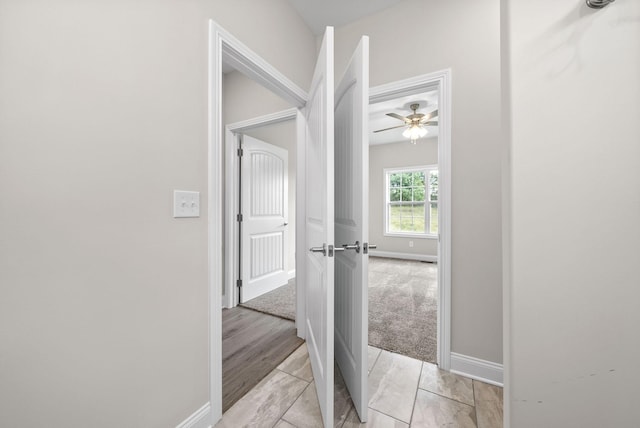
(464, 36)
(103, 112)
(396, 155)
(574, 200)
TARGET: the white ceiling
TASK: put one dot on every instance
(378, 118)
(320, 13)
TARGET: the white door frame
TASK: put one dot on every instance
(440, 80)
(232, 132)
(223, 47)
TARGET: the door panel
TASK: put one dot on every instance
(319, 226)
(352, 225)
(265, 211)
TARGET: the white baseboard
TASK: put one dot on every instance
(200, 419)
(404, 256)
(292, 274)
(475, 368)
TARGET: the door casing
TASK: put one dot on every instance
(225, 48)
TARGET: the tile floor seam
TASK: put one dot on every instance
(304, 380)
(415, 396)
(448, 398)
(388, 415)
(294, 402)
(277, 422)
(352, 409)
(377, 358)
(475, 408)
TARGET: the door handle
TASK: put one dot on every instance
(355, 246)
(333, 249)
(366, 246)
(285, 223)
(322, 249)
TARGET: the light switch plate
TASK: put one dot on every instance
(186, 204)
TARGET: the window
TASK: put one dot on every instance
(412, 201)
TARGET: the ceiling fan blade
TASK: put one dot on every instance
(432, 123)
(429, 116)
(397, 116)
(393, 127)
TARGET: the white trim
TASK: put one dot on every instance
(301, 230)
(403, 256)
(267, 119)
(475, 368)
(440, 80)
(201, 418)
(410, 235)
(214, 221)
(291, 274)
(224, 47)
(230, 223)
(239, 56)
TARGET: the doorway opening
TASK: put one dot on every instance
(224, 48)
(261, 217)
(410, 205)
(403, 212)
(408, 308)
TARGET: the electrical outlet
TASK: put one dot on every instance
(410, 244)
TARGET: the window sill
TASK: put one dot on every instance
(412, 236)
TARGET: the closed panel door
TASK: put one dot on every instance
(352, 225)
(264, 228)
(319, 263)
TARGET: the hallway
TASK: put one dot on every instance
(403, 392)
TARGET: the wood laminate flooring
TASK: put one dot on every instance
(253, 345)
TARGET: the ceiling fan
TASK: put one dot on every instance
(415, 123)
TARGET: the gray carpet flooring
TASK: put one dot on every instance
(402, 306)
(280, 302)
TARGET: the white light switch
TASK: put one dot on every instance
(186, 204)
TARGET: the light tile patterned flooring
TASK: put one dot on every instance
(403, 392)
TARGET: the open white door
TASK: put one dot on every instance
(265, 215)
(352, 225)
(319, 226)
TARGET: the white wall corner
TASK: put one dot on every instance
(403, 256)
(475, 368)
(200, 419)
(292, 274)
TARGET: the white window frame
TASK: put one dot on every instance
(427, 210)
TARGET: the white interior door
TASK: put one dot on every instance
(265, 215)
(319, 226)
(352, 225)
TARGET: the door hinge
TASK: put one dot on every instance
(239, 283)
(239, 218)
(240, 152)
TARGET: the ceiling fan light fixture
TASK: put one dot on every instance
(414, 132)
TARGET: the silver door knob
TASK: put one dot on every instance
(333, 249)
(366, 246)
(355, 246)
(322, 249)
